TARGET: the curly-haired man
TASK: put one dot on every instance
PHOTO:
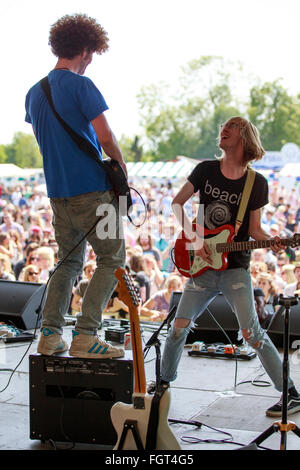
(76, 185)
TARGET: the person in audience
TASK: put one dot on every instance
(290, 289)
(277, 279)
(157, 307)
(35, 235)
(32, 273)
(5, 268)
(288, 274)
(258, 255)
(259, 300)
(30, 258)
(271, 298)
(256, 268)
(79, 290)
(155, 275)
(10, 224)
(6, 245)
(282, 260)
(45, 261)
(291, 221)
(268, 217)
(116, 306)
(165, 240)
(138, 269)
(16, 246)
(147, 244)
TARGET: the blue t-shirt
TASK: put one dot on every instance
(68, 170)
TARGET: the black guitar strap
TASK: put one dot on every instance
(82, 143)
(153, 420)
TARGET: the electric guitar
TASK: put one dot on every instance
(220, 243)
(131, 420)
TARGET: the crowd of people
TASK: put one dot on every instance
(29, 253)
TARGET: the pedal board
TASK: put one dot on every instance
(219, 351)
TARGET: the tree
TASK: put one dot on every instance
(276, 114)
(185, 121)
(132, 149)
(3, 156)
(24, 151)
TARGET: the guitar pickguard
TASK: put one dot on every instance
(197, 264)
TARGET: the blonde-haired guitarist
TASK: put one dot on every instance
(220, 183)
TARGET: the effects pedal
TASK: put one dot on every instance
(199, 348)
(116, 334)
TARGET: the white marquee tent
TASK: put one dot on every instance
(180, 168)
(9, 170)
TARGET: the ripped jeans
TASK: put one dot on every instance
(236, 286)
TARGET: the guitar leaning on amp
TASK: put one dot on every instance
(132, 421)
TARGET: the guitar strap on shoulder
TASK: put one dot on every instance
(115, 175)
(245, 198)
(82, 143)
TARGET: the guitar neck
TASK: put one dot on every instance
(249, 245)
(137, 352)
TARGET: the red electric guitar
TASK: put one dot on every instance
(220, 242)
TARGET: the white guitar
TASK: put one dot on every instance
(131, 421)
(220, 243)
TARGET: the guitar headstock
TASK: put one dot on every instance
(295, 240)
(127, 291)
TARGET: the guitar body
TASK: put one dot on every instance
(191, 265)
(122, 412)
(129, 420)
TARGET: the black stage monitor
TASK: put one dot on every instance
(19, 302)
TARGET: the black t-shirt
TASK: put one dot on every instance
(221, 198)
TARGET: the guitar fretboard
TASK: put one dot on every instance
(130, 295)
(249, 245)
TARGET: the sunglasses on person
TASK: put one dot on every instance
(33, 273)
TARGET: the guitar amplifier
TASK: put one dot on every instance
(71, 398)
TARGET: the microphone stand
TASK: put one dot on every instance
(154, 341)
(283, 426)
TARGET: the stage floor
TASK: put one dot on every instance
(208, 390)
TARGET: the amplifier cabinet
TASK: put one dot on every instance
(71, 398)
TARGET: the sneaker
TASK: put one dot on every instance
(151, 388)
(8, 331)
(90, 346)
(292, 407)
(51, 342)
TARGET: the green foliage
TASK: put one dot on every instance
(184, 120)
(3, 156)
(23, 151)
(276, 114)
(131, 149)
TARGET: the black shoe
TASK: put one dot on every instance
(151, 389)
(292, 407)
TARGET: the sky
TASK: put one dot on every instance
(149, 42)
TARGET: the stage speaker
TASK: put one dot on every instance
(276, 326)
(207, 328)
(71, 398)
(19, 302)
